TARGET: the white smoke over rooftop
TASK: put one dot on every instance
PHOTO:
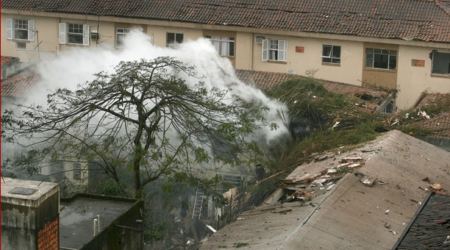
(78, 66)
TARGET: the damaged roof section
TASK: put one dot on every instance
(437, 119)
(361, 199)
(18, 79)
(421, 20)
(369, 98)
(430, 228)
(21, 84)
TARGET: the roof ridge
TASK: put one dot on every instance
(445, 8)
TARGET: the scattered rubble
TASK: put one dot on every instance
(436, 187)
(306, 187)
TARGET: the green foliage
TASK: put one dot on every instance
(143, 118)
(240, 244)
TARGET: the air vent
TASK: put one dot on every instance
(259, 39)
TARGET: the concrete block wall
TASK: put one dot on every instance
(29, 214)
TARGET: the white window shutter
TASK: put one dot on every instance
(86, 34)
(282, 50)
(62, 33)
(31, 30)
(265, 49)
(9, 29)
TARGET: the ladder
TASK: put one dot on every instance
(198, 203)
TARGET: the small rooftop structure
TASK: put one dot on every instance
(29, 213)
(34, 217)
(117, 222)
(364, 206)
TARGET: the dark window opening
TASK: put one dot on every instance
(331, 54)
(441, 63)
(381, 59)
(174, 38)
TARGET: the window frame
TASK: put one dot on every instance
(274, 50)
(224, 45)
(77, 172)
(12, 29)
(121, 35)
(65, 33)
(380, 53)
(433, 56)
(335, 60)
(175, 40)
(72, 34)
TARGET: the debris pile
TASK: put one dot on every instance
(306, 187)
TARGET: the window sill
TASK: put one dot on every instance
(440, 75)
(382, 70)
(277, 62)
(331, 64)
(75, 44)
(19, 40)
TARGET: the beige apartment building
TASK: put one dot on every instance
(403, 45)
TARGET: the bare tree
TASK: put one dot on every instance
(144, 117)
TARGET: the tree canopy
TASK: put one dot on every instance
(144, 116)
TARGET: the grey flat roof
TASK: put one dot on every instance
(77, 216)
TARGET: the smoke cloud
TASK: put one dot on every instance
(77, 66)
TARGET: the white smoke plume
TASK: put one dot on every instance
(78, 66)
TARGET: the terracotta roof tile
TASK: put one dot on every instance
(266, 80)
(8, 59)
(20, 84)
(424, 20)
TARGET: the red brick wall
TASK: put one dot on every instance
(48, 237)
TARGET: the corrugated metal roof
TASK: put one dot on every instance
(353, 216)
(423, 20)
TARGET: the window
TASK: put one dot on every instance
(174, 38)
(223, 45)
(120, 35)
(381, 59)
(274, 50)
(74, 33)
(76, 171)
(20, 29)
(331, 54)
(440, 63)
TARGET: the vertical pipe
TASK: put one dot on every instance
(95, 226)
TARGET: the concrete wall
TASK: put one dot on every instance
(30, 221)
(415, 79)
(125, 233)
(303, 52)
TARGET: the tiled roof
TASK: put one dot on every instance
(20, 84)
(423, 20)
(439, 123)
(430, 229)
(267, 80)
(8, 59)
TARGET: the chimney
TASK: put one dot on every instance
(29, 214)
